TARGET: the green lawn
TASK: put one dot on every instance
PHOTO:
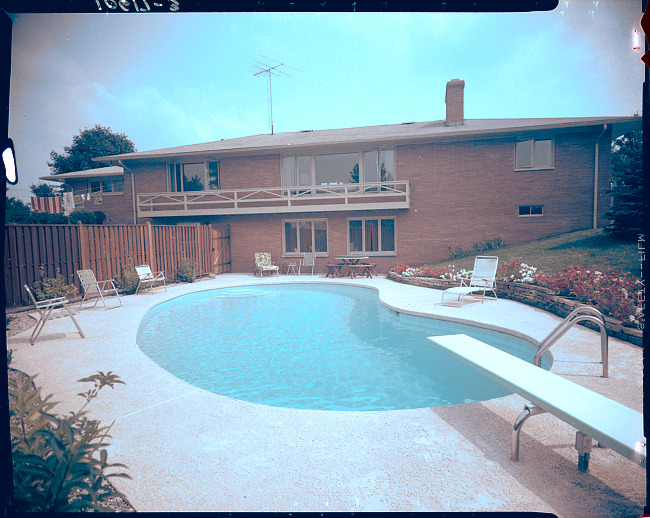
(589, 248)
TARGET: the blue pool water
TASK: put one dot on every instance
(315, 346)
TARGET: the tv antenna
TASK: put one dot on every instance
(265, 67)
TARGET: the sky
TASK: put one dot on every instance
(171, 79)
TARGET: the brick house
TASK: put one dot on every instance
(410, 192)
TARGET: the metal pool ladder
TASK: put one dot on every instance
(583, 313)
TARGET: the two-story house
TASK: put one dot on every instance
(410, 192)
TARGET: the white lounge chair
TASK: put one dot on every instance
(481, 282)
(47, 311)
(308, 261)
(148, 278)
(263, 264)
(91, 286)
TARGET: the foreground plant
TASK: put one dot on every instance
(59, 463)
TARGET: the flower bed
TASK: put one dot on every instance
(616, 296)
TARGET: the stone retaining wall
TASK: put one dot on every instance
(538, 296)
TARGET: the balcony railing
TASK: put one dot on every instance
(307, 198)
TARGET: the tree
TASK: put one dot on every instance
(45, 190)
(194, 184)
(89, 144)
(17, 212)
(626, 213)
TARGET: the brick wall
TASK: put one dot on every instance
(250, 172)
(117, 207)
(468, 192)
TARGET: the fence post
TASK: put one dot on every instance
(199, 248)
(150, 248)
(83, 246)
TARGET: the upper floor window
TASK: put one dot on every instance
(296, 170)
(379, 165)
(374, 165)
(108, 186)
(534, 154)
(196, 176)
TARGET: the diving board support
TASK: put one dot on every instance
(595, 416)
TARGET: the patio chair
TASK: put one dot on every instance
(91, 286)
(481, 282)
(309, 260)
(148, 278)
(263, 264)
(46, 311)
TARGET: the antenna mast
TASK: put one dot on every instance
(271, 70)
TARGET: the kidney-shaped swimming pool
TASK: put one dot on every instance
(315, 346)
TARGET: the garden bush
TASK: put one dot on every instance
(53, 287)
(100, 216)
(127, 280)
(187, 271)
(59, 463)
(613, 294)
(87, 217)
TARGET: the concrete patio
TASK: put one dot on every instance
(191, 450)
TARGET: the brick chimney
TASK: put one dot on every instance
(454, 99)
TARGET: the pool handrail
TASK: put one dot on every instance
(571, 319)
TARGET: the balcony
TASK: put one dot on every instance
(306, 198)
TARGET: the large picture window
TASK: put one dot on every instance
(338, 168)
(301, 236)
(534, 154)
(374, 165)
(371, 236)
(194, 176)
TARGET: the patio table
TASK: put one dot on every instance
(349, 261)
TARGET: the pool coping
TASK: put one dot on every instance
(240, 456)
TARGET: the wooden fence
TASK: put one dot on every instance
(30, 249)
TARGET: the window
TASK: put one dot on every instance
(194, 176)
(534, 154)
(300, 236)
(379, 166)
(296, 170)
(339, 168)
(371, 236)
(109, 186)
(374, 165)
(214, 176)
(531, 210)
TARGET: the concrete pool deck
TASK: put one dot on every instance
(190, 450)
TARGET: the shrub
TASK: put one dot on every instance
(187, 271)
(615, 295)
(515, 271)
(127, 280)
(59, 463)
(53, 287)
(478, 248)
(87, 217)
(100, 216)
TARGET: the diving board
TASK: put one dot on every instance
(595, 416)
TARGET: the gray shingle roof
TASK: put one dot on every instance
(99, 171)
(392, 132)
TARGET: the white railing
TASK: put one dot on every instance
(307, 198)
